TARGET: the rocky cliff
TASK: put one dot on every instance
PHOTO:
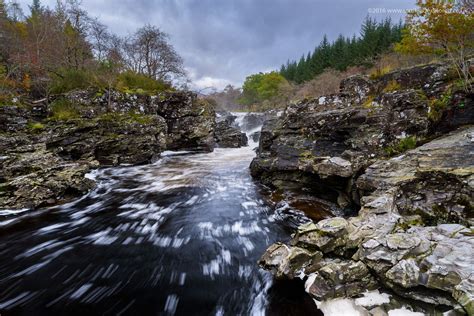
(324, 144)
(46, 156)
(391, 151)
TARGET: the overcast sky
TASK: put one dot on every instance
(223, 41)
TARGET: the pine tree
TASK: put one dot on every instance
(36, 7)
(299, 75)
(374, 39)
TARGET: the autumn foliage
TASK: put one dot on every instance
(54, 50)
(444, 28)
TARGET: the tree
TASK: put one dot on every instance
(107, 73)
(101, 39)
(262, 87)
(3, 30)
(77, 25)
(36, 7)
(148, 52)
(64, 48)
(443, 28)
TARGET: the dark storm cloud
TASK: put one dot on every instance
(222, 41)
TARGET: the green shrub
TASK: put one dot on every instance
(131, 82)
(72, 79)
(403, 145)
(63, 110)
(437, 106)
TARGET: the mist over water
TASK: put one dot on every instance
(181, 236)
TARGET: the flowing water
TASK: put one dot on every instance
(180, 236)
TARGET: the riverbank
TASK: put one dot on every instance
(398, 149)
(47, 148)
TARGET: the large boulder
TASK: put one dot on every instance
(340, 278)
(225, 116)
(229, 137)
(423, 259)
(326, 236)
(434, 181)
(190, 121)
(288, 262)
(111, 139)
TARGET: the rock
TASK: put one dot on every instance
(357, 86)
(190, 121)
(326, 236)
(13, 118)
(464, 294)
(430, 257)
(340, 278)
(255, 136)
(458, 113)
(229, 137)
(430, 78)
(288, 262)
(417, 176)
(225, 116)
(253, 120)
(334, 166)
(111, 139)
(432, 184)
(274, 256)
(322, 145)
(451, 204)
(39, 178)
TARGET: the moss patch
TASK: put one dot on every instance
(130, 117)
(401, 146)
(36, 126)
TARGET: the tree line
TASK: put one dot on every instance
(375, 38)
(46, 44)
(443, 30)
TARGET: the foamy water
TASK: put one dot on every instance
(181, 236)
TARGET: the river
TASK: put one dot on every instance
(178, 237)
